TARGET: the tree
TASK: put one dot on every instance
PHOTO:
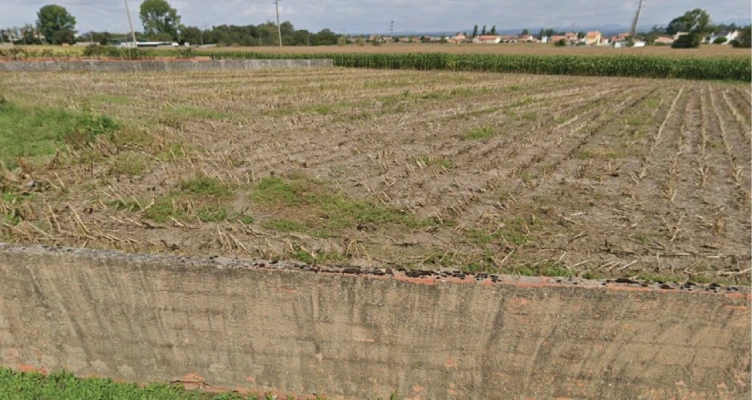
(475, 31)
(525, 32)
(744, 40)
(159, 17)
(581, 35)
(56, 24)
(549, 32)
(483, 32)
(493, 30)
(694, 21)
(193, 35)
(561, 42)
(687, 41)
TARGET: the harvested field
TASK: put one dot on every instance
(519, 174)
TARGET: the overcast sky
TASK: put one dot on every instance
(356, 16)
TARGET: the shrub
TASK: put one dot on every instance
(744, 40)
(116, 52)
(561, 43)
(720, 40)
(688, 41)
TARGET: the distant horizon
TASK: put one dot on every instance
(373, 17)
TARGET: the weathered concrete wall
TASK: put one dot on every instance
(234, 323)
(158, 66)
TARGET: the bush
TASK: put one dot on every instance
(720, 40)
(116, 52)
(561, 43)
(688, 41)
(744, 40)
(341, 41)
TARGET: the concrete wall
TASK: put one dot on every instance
(240, 324)
(157, 66)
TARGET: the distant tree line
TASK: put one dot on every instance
(161, 22)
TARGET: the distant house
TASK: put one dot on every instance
(571, 36)
(404, 39)
(664, 40)
(638, 43)
(605, 41)
(676, 36)
(622, 37)
(556, 38)
(487, 39)
(593, 37)
(728, 35)
(458, 38)
(416, 39)
(544, 39)
(509, 38)
(527, 39)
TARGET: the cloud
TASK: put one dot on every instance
(374, 15)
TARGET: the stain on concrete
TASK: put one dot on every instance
(358, 333)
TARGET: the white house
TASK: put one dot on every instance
(490, 39)
(728, 35)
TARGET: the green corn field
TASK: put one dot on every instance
(730, 68)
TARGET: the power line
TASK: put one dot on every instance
(279, 27)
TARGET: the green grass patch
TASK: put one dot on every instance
(129, 164)
(112, 99)
(325, 109)
(308, 206)
(480, 133)
(191, 112)
(205, 186)
(34, 133)
(212, 214)
(198, 197)
(285, 225)
(530, 116)
(64, 386)
(437, 161)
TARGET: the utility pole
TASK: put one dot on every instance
(133, 32)
(279, 27)
(634, 23)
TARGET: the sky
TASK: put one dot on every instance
(373, 16)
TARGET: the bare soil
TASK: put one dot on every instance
(519, 174)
